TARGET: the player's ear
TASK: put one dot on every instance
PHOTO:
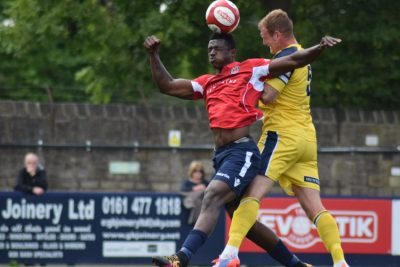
(276, 35)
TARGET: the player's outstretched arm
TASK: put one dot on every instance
(301, 58)
(166, 83)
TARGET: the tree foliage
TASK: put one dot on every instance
(92, 50)
(362, 71)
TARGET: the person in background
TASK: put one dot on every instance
(32, 178)
(196, 180)
(193, 190)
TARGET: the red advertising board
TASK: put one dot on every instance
(364, 225)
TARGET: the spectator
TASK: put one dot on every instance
(193, 189)
(196, 180)
(32, 178)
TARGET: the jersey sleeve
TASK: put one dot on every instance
(198, 85)
(281, 81)
(260, 72)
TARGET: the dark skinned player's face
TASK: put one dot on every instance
(219, 54)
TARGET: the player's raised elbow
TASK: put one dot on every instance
(166, 86)
(166, 90)
(178, 88)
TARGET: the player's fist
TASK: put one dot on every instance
(152, 44)
(328, 41)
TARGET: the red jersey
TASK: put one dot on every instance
(231, 96)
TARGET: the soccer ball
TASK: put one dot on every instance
(222, 16)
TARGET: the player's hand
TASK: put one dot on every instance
(329, 41)
(152, 44)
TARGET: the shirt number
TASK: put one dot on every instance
(309, 76)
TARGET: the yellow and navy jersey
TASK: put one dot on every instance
(290, 112)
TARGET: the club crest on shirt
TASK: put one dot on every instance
(235, 69)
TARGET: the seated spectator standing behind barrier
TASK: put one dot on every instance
(193, 190)
(32, 178)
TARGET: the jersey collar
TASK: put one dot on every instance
(227, 68)
(289, 46)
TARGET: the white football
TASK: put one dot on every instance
(222, 16)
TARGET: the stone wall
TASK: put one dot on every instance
(137, 133)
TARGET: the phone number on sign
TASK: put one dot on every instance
(141, 205)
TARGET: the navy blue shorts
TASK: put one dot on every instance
(237, 164)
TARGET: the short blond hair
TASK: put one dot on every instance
(277, 20)
(195, 165)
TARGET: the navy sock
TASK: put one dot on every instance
(283, 255)
(193, 242)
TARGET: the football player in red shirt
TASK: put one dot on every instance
(230, 96)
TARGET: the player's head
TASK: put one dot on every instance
(221, 50)
(275, 29)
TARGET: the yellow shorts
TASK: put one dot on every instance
(289, 159)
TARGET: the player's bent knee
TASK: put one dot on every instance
(219, 192)
(310, 200)
(313, 210)
(213, 199)
(259, 187)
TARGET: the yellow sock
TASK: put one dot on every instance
(329, 233)
(243, 219)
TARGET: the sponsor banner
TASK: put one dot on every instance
(104, 227)
(364, 225)
(396, 227)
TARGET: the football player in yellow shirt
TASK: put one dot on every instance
(288, 144)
